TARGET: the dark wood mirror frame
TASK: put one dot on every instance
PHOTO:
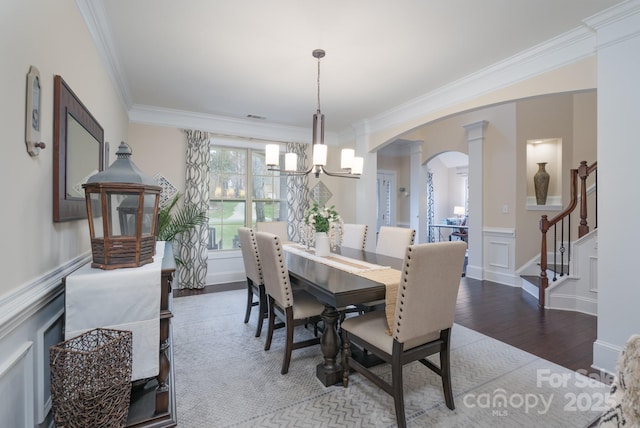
(66, 104)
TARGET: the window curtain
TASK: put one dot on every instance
(430, 207)
(193, 249)
(297, 192)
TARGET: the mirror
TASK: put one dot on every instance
(78, 144)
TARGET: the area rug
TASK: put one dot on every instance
(224, 378)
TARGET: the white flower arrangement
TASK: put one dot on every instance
(323, 219)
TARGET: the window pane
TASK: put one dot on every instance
(266, 211)
(225, 217)
(258, 166)
(266, 187)
(239, 177)
(228, 172)
(235, 186)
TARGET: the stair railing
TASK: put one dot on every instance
(562, 246)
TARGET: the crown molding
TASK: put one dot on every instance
(616, 24)
(248, 128)
(93, 14)
(560, 51)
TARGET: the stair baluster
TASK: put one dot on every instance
(583, 172)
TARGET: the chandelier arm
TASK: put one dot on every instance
(283, 171)
(339, 174)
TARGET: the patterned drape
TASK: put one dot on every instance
(297, 192)
(193, 249)
(430, 207)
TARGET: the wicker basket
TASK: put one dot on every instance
(91, 379)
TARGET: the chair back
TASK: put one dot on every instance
(276, 227)
(274, 269)
(428, 290)
(354, 236)
(393, 241)
(463, 223)
(250, 255)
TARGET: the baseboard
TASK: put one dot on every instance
(502, 278)
(605, 356)
(474, 272)
(573, 303)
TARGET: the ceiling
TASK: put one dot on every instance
(247, 58)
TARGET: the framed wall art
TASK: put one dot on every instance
(32, 122)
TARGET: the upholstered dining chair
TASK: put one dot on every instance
(393, 241)
(276, 227)
(462, 233)
(253, 270)
(424, 313)
(354, 236)
(294, 308)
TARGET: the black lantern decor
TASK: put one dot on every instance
(122, 208)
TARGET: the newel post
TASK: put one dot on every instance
(544, 280)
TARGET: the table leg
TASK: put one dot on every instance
(329, 372)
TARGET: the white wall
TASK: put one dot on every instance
(50, 35)
(37, 253)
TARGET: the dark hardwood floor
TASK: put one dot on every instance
(510, 315)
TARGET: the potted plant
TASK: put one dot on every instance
(173, 221)
(324, 227)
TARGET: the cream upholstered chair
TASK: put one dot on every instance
(424, 313)
(354, 236)
(393, 241)
(294, 308)
(276, 227)
(253, 270)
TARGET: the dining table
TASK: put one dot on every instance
(344, 278)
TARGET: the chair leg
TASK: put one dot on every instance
(249, 301)
(272, 322)
(289, 341)
(262, 310)
(445, 373)
(396, 382)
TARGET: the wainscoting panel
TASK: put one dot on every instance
(16, 387)
(499, 256)
(31, 320)
(51, 333)
(224, 267)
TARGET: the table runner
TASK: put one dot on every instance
(381, 274)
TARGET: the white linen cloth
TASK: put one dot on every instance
(121, 299)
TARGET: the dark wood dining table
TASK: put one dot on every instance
(336, 288)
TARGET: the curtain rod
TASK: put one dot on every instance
(237, 137)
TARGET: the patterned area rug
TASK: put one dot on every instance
(224, 378)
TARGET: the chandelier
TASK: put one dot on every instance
(350, 164)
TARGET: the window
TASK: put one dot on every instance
(241, 193)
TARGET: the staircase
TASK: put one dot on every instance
(567, 267)
(573, 291)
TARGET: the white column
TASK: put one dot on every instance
(418, 195)
(475, 138)
(366, 193)
(618, 153)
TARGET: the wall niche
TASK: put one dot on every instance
(548, 152)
